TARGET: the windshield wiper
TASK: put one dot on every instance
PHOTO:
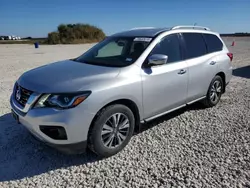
(106, 64)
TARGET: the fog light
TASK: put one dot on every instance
(54, 132)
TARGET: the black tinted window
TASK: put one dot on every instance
(169, 46)
(195, 45)
(213, 43)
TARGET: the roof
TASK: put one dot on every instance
(141, 32)
(152, 31)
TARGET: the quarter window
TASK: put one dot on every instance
(214, 44)
(195, 45)
(169, 46)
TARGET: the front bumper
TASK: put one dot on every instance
(75, 121)
(76, 148)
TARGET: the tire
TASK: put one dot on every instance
(100, 132)
(214, 92)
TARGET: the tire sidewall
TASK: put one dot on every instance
(96, 139)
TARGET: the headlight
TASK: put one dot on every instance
(61, 101)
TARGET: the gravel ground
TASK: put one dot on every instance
(192, 147)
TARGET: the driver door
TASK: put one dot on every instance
(165, 86)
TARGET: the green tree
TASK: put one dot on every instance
(75, 33)
(53, 38)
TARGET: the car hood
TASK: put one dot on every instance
(65, 76)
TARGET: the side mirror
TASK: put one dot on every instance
(157, 59)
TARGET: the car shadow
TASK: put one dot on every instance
(21, 155)
(243, 72)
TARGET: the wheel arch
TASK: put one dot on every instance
(126, 102)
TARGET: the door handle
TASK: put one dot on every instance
(182, 71)
(212, 62)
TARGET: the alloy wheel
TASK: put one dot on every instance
(216, 91)
(115, 130)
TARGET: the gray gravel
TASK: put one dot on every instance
(192, 147)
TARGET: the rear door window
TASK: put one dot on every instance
(214, 44)
(195, 45)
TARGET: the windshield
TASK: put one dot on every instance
(115, 51)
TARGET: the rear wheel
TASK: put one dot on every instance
(111, 130)
(214, 92)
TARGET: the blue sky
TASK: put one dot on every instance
(37, 18)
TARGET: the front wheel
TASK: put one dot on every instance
(111, 130)
(214, 92)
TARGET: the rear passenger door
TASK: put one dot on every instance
(202, 65)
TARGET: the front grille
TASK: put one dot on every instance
(22, 95)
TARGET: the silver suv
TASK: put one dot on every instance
(99, 98)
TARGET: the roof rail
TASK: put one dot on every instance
(190, 27)
(142, 28)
